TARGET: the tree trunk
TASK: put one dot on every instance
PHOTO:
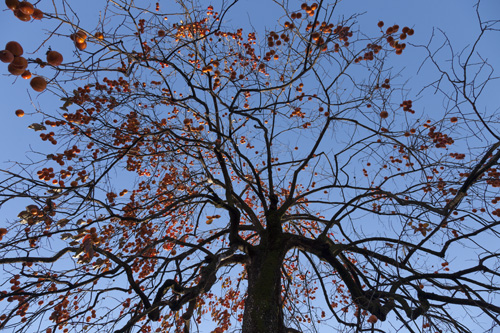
(263, 306)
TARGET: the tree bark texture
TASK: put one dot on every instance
(263, 306)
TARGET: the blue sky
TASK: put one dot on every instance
(457, 19)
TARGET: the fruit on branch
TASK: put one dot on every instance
(81, 46)
(22, 16)
(12, 4)
(37, 14)
(15, 48)
(79, 38)
(6, 56)
(19, 113)
(14, 70)
(38, 84)
(54, 58)
(26, 75)
(20, 62)
(26, 8)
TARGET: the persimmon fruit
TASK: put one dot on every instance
(80, 37)
(15, 70)
(20, 62)
(6, 56)
(20, 113)
(15, 48)
(54, 58)
(3, 232)
(26, 7)
(38, 84)
(26, 75)
(12, 4)
(384, 114)
(81, 46)
(37, 14)
(21, 16)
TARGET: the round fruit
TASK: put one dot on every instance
(3, 232)
(80, 37)
(38, 84)
(20, 62)
(54, 58)
(6, 56)
(12, 4)
(26, 7)
(37, 14)
(26, 75)
(99, 35)
(19, 113)
(20, 15)
(15, 70)
(81, 46)
(15, 48)
(384, 114)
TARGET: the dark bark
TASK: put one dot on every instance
(263, 306)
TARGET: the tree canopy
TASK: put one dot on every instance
(196, 171)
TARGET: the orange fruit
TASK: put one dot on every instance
(19, 113)
(99, 35)
(3, 232)
(15, 70)
(26, 75)
(20, 15)
(6, 56)
(37, 14)
(26, 7)
(20, 62)
(15, 48)
(38, 84)
(12, 4)
(81, 46)
(384, 114)
(80, 37)
(54, 58)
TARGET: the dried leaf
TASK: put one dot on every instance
(37, 127)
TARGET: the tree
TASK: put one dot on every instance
(275, 185)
